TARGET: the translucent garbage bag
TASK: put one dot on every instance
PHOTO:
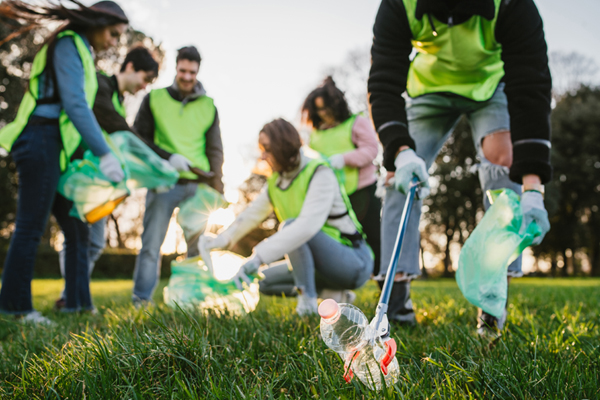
(146, 168)
(93, 195)
(487, 253)
(192, 285)
(194, 212)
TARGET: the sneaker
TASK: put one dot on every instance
(35, 317)
(489, 326)
(340, 296)
(306, 305)
(400, 306)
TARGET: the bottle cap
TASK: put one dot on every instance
(328, 308)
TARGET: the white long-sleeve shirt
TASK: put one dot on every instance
(323, 199)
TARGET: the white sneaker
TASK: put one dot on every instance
(306, 305)
(35, 317)
(340, 296)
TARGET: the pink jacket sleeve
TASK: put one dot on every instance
(365, 140)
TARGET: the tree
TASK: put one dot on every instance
(351, 77)
(573, 198)
(570, 71)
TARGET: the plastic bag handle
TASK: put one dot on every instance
(390, 353)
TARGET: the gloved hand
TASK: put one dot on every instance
(250, 267)
(532, 204)
(179, 162)
(408, 164)
(208, 242)
(337, 161)
(111, 168)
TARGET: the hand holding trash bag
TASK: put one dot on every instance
(208, 242)
(111, 168)
(250, 267)
(532, 203)
(408, 165)
(179, 162)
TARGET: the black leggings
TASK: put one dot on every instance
(367, 208)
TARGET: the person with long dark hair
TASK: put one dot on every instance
(53, 118)
(350, 144)
(320, 236)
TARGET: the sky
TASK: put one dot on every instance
(261, 58)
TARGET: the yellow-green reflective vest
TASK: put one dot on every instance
(287, 203)
(182, 129)
(338, 140)
(70, 137)
(462, 59)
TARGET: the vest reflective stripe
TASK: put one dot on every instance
(338, 140)
(70, 137)
(464, 59)
(182, 129)
(287, 203)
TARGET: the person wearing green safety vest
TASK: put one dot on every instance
(52, 120)
(350, 144)
(482, 60)
(319, 234)
(137, 71)
(183, 124)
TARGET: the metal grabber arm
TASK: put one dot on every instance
(380, 322)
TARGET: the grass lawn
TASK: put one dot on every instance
(550, 350)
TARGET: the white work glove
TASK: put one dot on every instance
(111, 168)
(179, 162)
(408, 164)
(337, 161)
(208, 242)
(250, 267)
(532, 204)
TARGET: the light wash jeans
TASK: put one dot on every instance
(159, 209)
(330, 264)
(97, 242)
(431, 120)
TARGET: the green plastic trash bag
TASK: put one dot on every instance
(93, 194)
(146, 168)
(192, 286)
(194, 212)
(487, 253)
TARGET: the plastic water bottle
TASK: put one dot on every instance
(346, 330)
(342, 326)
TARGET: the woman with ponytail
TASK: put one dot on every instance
(54, 117)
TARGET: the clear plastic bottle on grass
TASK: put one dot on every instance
(346, 330)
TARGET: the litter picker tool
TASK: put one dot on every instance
(380, 322)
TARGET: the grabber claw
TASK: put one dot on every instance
(390, 353)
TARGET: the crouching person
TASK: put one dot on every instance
(320, 236)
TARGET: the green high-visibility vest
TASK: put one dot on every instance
(287, 203)
(119, 108)
(70, 137)
(338, 140)
(462, 59)
(182, 129)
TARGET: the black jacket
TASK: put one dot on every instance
(528, 87)
(145, 126)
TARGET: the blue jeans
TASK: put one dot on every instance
(330, 264)
(159, 208)
(97, 243)
(431, 120)
(36, 154)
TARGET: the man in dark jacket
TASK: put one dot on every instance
(484, 59)
(182, 121)
(138, 70)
